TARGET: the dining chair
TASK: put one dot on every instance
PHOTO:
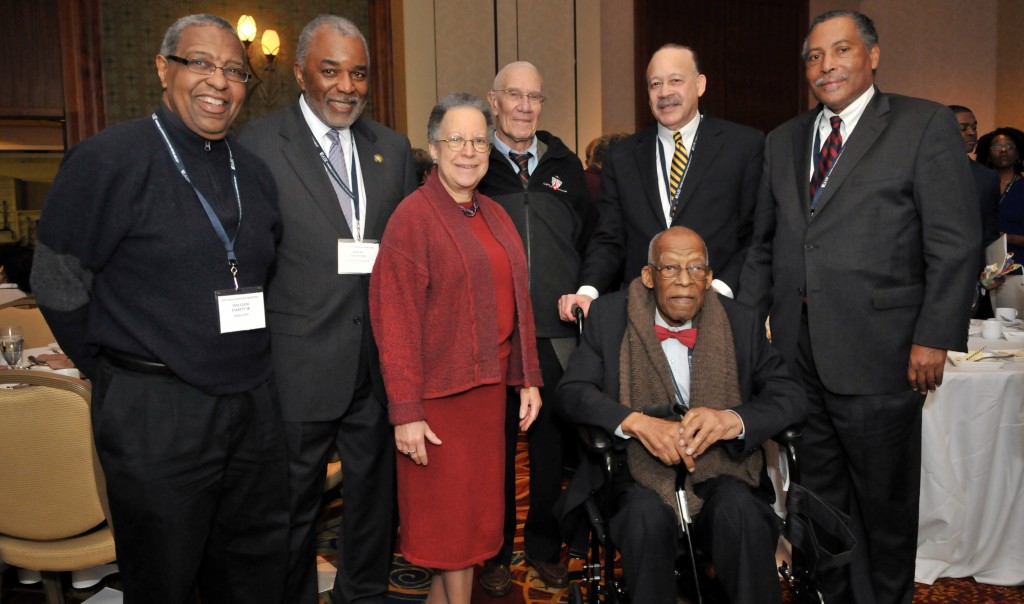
(53, 515)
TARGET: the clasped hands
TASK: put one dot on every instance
(411, 439)
(675, 442)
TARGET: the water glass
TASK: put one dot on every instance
(12, 343)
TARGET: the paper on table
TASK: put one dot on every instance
(106, 596)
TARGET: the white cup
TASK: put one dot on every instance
(1006, 314)
(992, 329)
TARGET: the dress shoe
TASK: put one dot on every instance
(496, 580)
(553, 574)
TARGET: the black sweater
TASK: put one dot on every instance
(127, 258)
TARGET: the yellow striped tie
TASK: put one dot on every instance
(679, 161)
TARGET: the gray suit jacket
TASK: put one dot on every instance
(889, 256)
(318, 319)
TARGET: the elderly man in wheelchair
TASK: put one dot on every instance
(671, 340)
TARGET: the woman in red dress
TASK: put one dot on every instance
(451, 315)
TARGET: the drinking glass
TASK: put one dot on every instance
(12, 343)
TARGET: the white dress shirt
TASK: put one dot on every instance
(851, 115)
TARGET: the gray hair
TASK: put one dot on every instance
(654, 241)
(454, 101)
(173, 34)
(337, 24)
(499, 79)
(674, 46)
(865, 27)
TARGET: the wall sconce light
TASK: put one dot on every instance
(267, 88)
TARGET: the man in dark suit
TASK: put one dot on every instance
(865, 251)
(738, 393)
(706, 180)
(340, 176)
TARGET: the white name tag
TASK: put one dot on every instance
(241, 309)
(357, 257)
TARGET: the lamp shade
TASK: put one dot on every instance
(246, 28)
(271, 43)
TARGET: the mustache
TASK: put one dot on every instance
(351, 100)
(669, 101)
(837, 78)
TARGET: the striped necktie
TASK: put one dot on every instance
(523, 161)
(829, 153)
(336, 155)
(675, 178)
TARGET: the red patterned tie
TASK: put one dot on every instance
(523, 161)
(829, 153)
(688, 337)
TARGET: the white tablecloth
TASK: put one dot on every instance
(972, 478)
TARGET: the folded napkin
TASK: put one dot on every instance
(56, 361)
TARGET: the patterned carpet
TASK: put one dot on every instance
(410, 583)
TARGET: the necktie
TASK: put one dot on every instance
(523, 161)
(337, 159)
(688, 337)
(675, 177)
(829, 153)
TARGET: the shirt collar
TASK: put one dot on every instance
(320, 129)
(851, 115)
(504, 149)
(689, 131)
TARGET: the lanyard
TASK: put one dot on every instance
(218, 227)
(664, 168)
(817, 160)
(353, 191)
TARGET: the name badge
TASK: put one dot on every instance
(357, 257)
(241, 309)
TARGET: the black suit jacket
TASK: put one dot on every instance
(718, 199)
(319, 320)
(890, 255)
(589, 391)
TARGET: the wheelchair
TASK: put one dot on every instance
(597, 572)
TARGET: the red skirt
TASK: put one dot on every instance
(452, 510)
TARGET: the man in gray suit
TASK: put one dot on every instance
(864, 250)
(340, 176)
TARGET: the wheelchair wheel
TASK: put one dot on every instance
(575, 594)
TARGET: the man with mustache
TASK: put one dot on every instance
(340, 176)
(865, 250)
(689, 169)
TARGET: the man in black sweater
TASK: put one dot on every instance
(154, 245)
(540, 183)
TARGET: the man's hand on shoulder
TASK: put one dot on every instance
(924, 372)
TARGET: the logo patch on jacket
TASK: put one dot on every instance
(556, 183)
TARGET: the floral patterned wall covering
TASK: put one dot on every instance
(132, 32)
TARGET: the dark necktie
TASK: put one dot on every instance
(675, 178)
(523, 161)
(337, 158)
(829, 153)
(688, 337)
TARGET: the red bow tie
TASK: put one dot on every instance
(688, 337)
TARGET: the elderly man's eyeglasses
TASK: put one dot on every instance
(456, 143)
(235, 74)
(1004, 147)
(518, 95)
(698, 272)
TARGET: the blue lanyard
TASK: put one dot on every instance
(664, 168)
(353, 191)
(218, 227)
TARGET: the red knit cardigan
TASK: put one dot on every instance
(432, 308)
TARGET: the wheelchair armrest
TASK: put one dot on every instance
(787, 440)
(596, 440)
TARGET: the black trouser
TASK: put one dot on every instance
(862, 454)
(197, 485)
(365, 444)
(543, 540)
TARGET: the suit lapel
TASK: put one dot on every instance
(802, 140)
(708, 143)
(298, 149)
(646, 158)
(871, 124)
(372, 165)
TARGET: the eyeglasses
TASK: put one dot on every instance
(517, 95)
(456, 143)
(698, 272)
(1004, 147)
(235, 74)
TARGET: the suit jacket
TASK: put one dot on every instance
(319, 320)
(986, 182)
(889, 256)
(718, 198)
(588, 392)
